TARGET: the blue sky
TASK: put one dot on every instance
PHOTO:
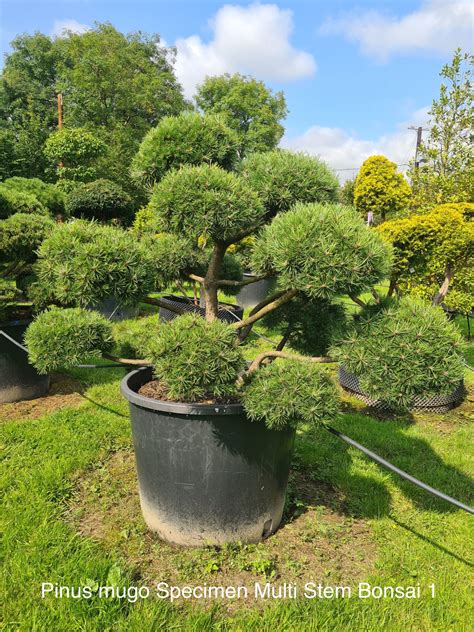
(355, 74)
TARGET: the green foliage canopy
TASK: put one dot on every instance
(380, 189)
(187, 139)
(248, 106)
(101, 199)
(195, 359)
(287, 393)
(74, 151)
(322, 251)
(21, 235)
(64, 338)
(401, 351)
(48, 194)
(206, 201)
(282, 178)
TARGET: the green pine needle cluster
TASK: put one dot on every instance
(206, 201)
(21, 235)
(322, 251)
(403, 350)
(187, 139)
(283, 178)
(290, 392)
(63, 338)
(101, 199)
(195, 359)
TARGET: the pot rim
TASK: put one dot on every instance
(179, 408)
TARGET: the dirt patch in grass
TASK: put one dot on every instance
(64, 392)
(317, 541)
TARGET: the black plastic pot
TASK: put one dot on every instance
(227, 312)
(207, 475)
(18, 378)
(432, 403)
(254, 293)
(110, 308)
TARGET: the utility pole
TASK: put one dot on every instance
(419, 133)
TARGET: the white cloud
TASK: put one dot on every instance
(343, 151)
(60, 26)
(438, 25)
(253, 39)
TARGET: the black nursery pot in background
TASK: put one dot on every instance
(254, 293)
(207, 475)
(18, 378)
(227, 312)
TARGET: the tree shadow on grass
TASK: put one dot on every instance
(367, 497)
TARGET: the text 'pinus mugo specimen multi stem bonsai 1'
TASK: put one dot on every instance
(212, 436)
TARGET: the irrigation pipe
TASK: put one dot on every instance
(378, 459)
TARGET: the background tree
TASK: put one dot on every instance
(446, 172)
(249, 107)
(434, 255)
(28, 100)
(346, 194)
(380, 189)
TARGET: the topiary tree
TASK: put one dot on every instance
(346, 194)
(380, 189)
(197, 214)
(408, 342)
(433, 255)
(188, 139)
(20, 236)
(73, 152)
(48, 194)
(102, 200)
(282, 178)
(13, 201)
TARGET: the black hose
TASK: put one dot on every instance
(393, 468)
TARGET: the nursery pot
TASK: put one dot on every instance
(206, 474)
(432, 403)
(227, 312)
(111, 308)
(18, 378)
(254, 293)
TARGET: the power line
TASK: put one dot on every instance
(402, 164)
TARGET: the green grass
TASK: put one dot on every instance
(417, 539)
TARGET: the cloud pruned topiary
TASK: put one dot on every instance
(282, 178)
(21, 235)
(48, 194)
(187, 139)
(207, 202)
(13, 201)
(403, 350)
(83, 263)
(101, 199)
(64, 338)
(322, 251)
(289, 392)
(194, 359)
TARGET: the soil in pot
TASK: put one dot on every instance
(227, 312)
(207, 475)
(19, 380)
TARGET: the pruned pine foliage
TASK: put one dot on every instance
(322, 251)
(83, 263)
(403, 350)
(206, 201)
(286, 393)
(282, 178)
(195, 359)
(14, 201)
(64, 338)
(48, 194)
(187, 139)
(21, 235)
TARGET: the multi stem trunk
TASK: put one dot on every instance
(211, 281)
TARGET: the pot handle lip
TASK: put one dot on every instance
(179, 408)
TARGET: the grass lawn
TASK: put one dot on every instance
(71, 517)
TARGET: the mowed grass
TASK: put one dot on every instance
(414, 538)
